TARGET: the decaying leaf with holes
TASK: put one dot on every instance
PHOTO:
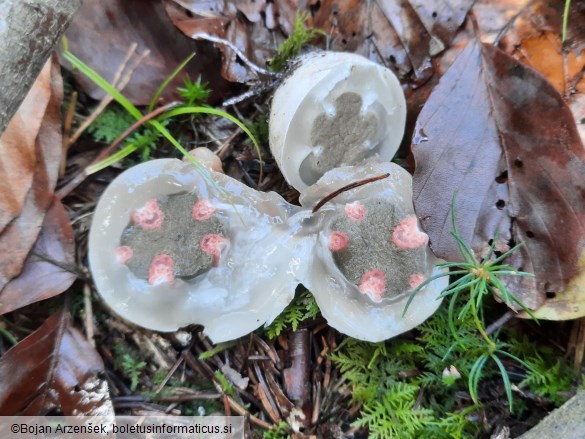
(497, 133)
(54, 369)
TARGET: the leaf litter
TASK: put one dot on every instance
(516, 161)
(43, 151)
(54, 368)
(407, 36)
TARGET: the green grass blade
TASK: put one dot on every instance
(450, 316)
(420, 287)
(464, 267)
(474, 376)
(565, 20)
(520, 361)
(167, 81)
(453, 288)
(508, 253)
(464, 249)
(493, 246)
(216, 112)
(102, 83)
(506, 379)
(111, 159)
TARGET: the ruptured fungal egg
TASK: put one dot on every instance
(334, 109)
(171, 246)
(362, 285)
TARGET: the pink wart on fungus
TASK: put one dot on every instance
(211, 244)
(161, 270)
(373, 283)
(124, 253)
(407, 235)
(203, 210)
(355, 211)
(415, 279)
(150, 216)
(338, 241)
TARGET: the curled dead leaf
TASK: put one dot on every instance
(400, 34)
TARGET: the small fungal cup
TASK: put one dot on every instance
(334, 109)
(370, 254)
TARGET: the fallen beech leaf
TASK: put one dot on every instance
(43, 156)
(41, 278)
(102, 32)
(498, 134)
(54, 368)
(404, 34)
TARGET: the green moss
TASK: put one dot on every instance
(303, 307)
(280, 431)
(291, 47)
(126, 361)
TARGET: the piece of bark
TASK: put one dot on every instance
(29, 30)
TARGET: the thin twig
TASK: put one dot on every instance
(169, 375)
(192, 363)
(66, 132)
(245, 60)
(508, 315)
(106, 152)
(88, 321)
(346, 188)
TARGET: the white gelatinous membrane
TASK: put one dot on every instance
(273, 246)
(334, 109)
(257, 273)
(340, 301)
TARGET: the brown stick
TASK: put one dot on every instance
(347, 188)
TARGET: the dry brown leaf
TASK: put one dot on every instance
(501, 136)
(17, 147)
(102, 32)
(45, 270)
(54, 368)
(19, 235)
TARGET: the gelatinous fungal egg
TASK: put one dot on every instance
(362, 286)
(170, 246)
(334, 109)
